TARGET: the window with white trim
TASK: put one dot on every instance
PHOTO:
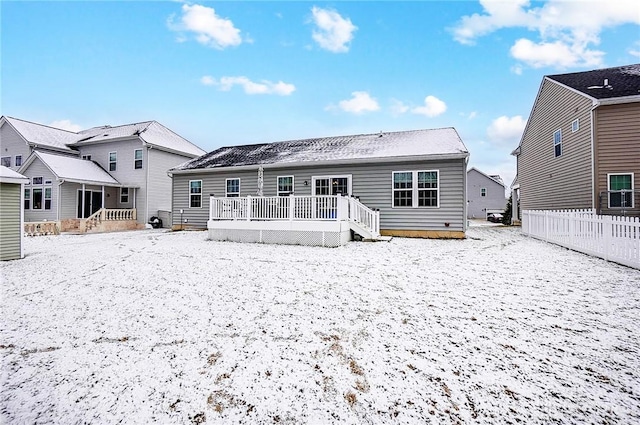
(557, 142)
(195, 193)
(36, 180)
(483, 191)
(620, 187)
(27, 198)
(37, 198)
(232, 188)
(416, 188)
(47, 198)
(113, 161)
(137, 159)
(575, 125)
(6, 161)
(124, 195)
(18, 160)
(285, 185)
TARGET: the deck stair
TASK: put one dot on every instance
(364, 221)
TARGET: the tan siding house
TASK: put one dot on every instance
(581, 146)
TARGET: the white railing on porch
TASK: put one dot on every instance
(104, 214)
(298, 208)
(614, 238)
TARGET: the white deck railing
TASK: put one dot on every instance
(296, 208)
(613, 238)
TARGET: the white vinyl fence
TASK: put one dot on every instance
(614, 238)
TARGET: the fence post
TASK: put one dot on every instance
(607, 228)
(291, 206)
(572, 218)
(248, 215)
(546, 226)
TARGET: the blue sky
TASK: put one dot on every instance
(238, 72)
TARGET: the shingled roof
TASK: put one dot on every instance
(621, 81)
(442, 142)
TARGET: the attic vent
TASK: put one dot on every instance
(606, 85)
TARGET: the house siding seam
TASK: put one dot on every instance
(371, 183)
(546, 181)
(617, 139)
(10, 230)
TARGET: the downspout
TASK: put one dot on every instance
(146, 183)
(59, 206)
(594, 195)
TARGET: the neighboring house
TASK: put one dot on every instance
(485, 194)
(416, 179)
(74, 175)
(11, 214)
(581, 146)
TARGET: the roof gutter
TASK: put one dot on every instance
(617, 100)
(407, 158)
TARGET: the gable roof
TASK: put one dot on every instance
(402, 145)
(150, 132)
(621, 81)
(496, 178)
(42, 135)
(73, 169)
(7, 175)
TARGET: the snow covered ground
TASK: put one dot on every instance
(155, 326)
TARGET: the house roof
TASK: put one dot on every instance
(42, 135)
(436, 143)
(621, 81)
(73, 169)
(7, 175)
(495, 177)
(151, 132)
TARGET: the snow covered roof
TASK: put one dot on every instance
(151, 132)
(7, 175)
(74, 169)
(378, 146)
(42, 135)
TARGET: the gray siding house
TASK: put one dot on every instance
(485, 194)
(11, 214)
(414, 180)
(75, 175)
(581, 145)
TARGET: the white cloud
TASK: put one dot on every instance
(210, 29)
(567, 30)
(635, 51)
(432, 107)
(398, 108)
(332, 32)
(504, 130)
(66, 125)
(263, 87)
(359, 103)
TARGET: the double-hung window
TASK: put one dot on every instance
(6, 161)
(232, 188)
(27, 198)
(575, 125)
(285, 185)
(195, 193)
(620, 188)
(416, 189)
(483, 191)
(47, 198)
(124, 195)
(137, 159)
(18, 160)
(113, 161)
(557, 142)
